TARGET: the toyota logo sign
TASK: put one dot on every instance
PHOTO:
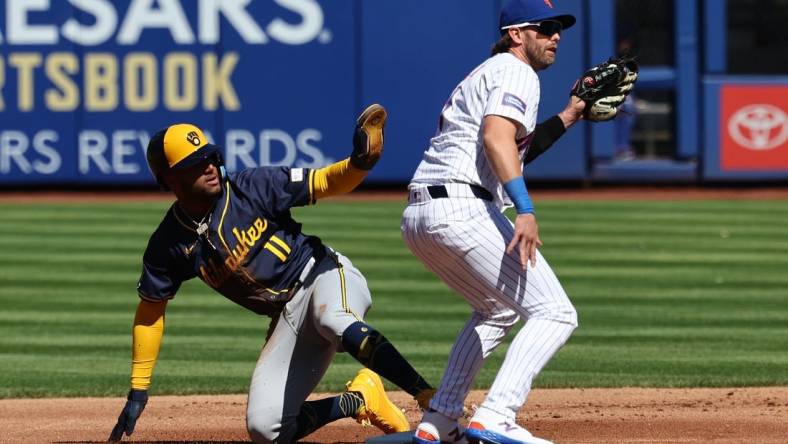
(759, 127)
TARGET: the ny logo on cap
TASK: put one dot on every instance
(193, 138)
(548, 3)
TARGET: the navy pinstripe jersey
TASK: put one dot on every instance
(253, 251)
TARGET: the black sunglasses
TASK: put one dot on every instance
(548, 27)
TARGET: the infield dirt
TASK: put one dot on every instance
(628, 415)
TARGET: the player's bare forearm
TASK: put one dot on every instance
(500, 146)
(501, 150)
(573, 112)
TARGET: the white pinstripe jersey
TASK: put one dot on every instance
(503, 85)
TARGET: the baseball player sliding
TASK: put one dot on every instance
(236, 234)
(472, 171)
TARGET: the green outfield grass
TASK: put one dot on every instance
(681, 293)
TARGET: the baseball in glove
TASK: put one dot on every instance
(604, 87)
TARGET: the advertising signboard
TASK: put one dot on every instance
(754, 127)
(85, 83)
(745, 132)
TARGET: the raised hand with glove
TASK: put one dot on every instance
(344, 176)
(595, 97)
(368, 137)
(605, 86)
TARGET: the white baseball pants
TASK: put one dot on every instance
(463, 239)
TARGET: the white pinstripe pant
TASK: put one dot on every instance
(463, 241)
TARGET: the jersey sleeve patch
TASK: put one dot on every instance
(297, 175)
(275, 189)
(515, 102)
(514, 94)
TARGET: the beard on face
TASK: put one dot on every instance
(194, 182)
(201, 186)
(538, 55)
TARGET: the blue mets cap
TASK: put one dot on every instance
(516, 13)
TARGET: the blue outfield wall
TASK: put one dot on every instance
(85, 83)
(413, 54)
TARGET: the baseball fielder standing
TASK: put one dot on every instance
(471, 172)
(236, 233)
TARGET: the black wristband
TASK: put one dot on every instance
(545, 134)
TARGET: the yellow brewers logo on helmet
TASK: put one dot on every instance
(178, 146)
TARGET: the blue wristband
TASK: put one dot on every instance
(515, 188)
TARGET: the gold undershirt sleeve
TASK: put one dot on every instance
(147, 333)
(337, 178)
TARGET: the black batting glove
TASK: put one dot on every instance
(368, 137)
(135, 404)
